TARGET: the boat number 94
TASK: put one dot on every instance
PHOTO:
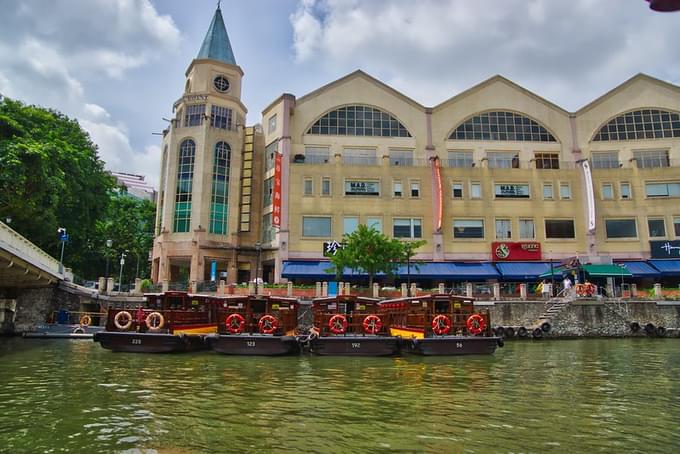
(136, 342)
(356, 344)
(250, 343)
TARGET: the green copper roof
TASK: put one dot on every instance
(216, 45)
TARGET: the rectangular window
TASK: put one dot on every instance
(676, 226)
(316, 226)
(362, 188)
(503, 160)
(503, 229)
(359, 157)
(559, 228)
(349, 224)
(511, 191)
(547, 160)
(270, 155)
(657, 227)
(396, 188)
(415, 189)
(475, 190)
(457, 190)
(547, 191)
(662, 189)
(565, 191)
(468, 228)
(314, 155)
(326, 186)
(220, 117)
(407, 228)
(651, 158)
(605, 160)
(193, 116)
(460, 159)
(624, 189)
(401, 158)
(272, 124)
(375, 223)
(620, 228)
(309, 186)
(267, 192)
(526, 229)
(607, 191)
(268, 232)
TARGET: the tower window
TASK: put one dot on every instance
(221, 84)
(194, 115)
(220, 117)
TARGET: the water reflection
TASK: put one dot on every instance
(593, 395)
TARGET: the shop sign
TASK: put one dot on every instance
(515, 250)
(512, 191)
(276, 193)
(359, 187)
(665, 249)
(330, 248)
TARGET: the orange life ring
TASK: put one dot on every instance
(268, 324)
(123, 326)
(441, 325)
(338, 324)
(235, 323)
(475, 324)
(155, 321)
(85, 320)
(372, 324)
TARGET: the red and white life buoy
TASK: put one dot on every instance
(475, 324)
(268, 324)
(123, 320)
(372, 324)
(441, 325)
(235, 323)
(338, 324)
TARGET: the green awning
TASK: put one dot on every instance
(606, 270)
(557, 271)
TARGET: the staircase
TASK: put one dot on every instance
(555, 305)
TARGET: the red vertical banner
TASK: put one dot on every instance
(276, 196)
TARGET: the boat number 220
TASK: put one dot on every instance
(250, 343)
(136, 342)
(459, 345)
(356, 344)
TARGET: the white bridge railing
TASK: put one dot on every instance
(23, 249)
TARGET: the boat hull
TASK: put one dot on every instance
(355, 345)
(254, 345)
(452, 345)
(149, 343)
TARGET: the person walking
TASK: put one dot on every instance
(567, 286)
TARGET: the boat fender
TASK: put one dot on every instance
(498, 331)
(235, 323)
(338, 324)
(546, 327)
(155, 321)
(500, 342)
(649, 329)
(372, 324)
(522, 332)
(509, 332)
(537, 333)
(78, 330)
(660, 331)
(441, 325)
(475, 324)
(120, 324)
(268, 324)
(85, 320)
(634, 327)
(313, 333)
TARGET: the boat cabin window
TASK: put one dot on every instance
(175, 303)
(258, 306)
(441, 307)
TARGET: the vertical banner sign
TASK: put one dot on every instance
(590, 196)
(440, 202)
(276, 197)
(213, 271)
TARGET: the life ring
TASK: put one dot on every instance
(338, 324)
(155, 321)
(85, 320)
(441, 325)
(372, 324)
(475, 324)
(268, 324)
(235, 323)
(123, 315)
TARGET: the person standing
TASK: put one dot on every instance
(567, 286)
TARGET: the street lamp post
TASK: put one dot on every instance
(408, 274)
(109, 243)
(63, 238)
(258, 248)
(120, 277)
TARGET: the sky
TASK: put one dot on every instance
(118, 65)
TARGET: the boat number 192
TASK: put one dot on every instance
(136, 342)
(250, 343)
(356, 344)
(459, 345)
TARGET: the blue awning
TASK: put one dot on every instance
(314, 269)
(640, 269)
(667, 267)
(526, 271)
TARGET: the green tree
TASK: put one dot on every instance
(369, 251)
(50, 177)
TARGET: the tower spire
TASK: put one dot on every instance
(216, 44)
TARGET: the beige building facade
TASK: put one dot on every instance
(493, 174)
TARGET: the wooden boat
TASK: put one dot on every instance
(256, 325)
(169, 322)
(440, 324)
(64, 324)
(350, 325)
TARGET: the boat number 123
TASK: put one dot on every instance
(250, 343)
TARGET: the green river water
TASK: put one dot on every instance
(618, 395)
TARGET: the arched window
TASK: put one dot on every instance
(499, 125)
(641, 124)
(359, 121)
(220, 189)
(185, 176)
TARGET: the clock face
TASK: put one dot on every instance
(221, 84)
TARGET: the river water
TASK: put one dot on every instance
(618, 395)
